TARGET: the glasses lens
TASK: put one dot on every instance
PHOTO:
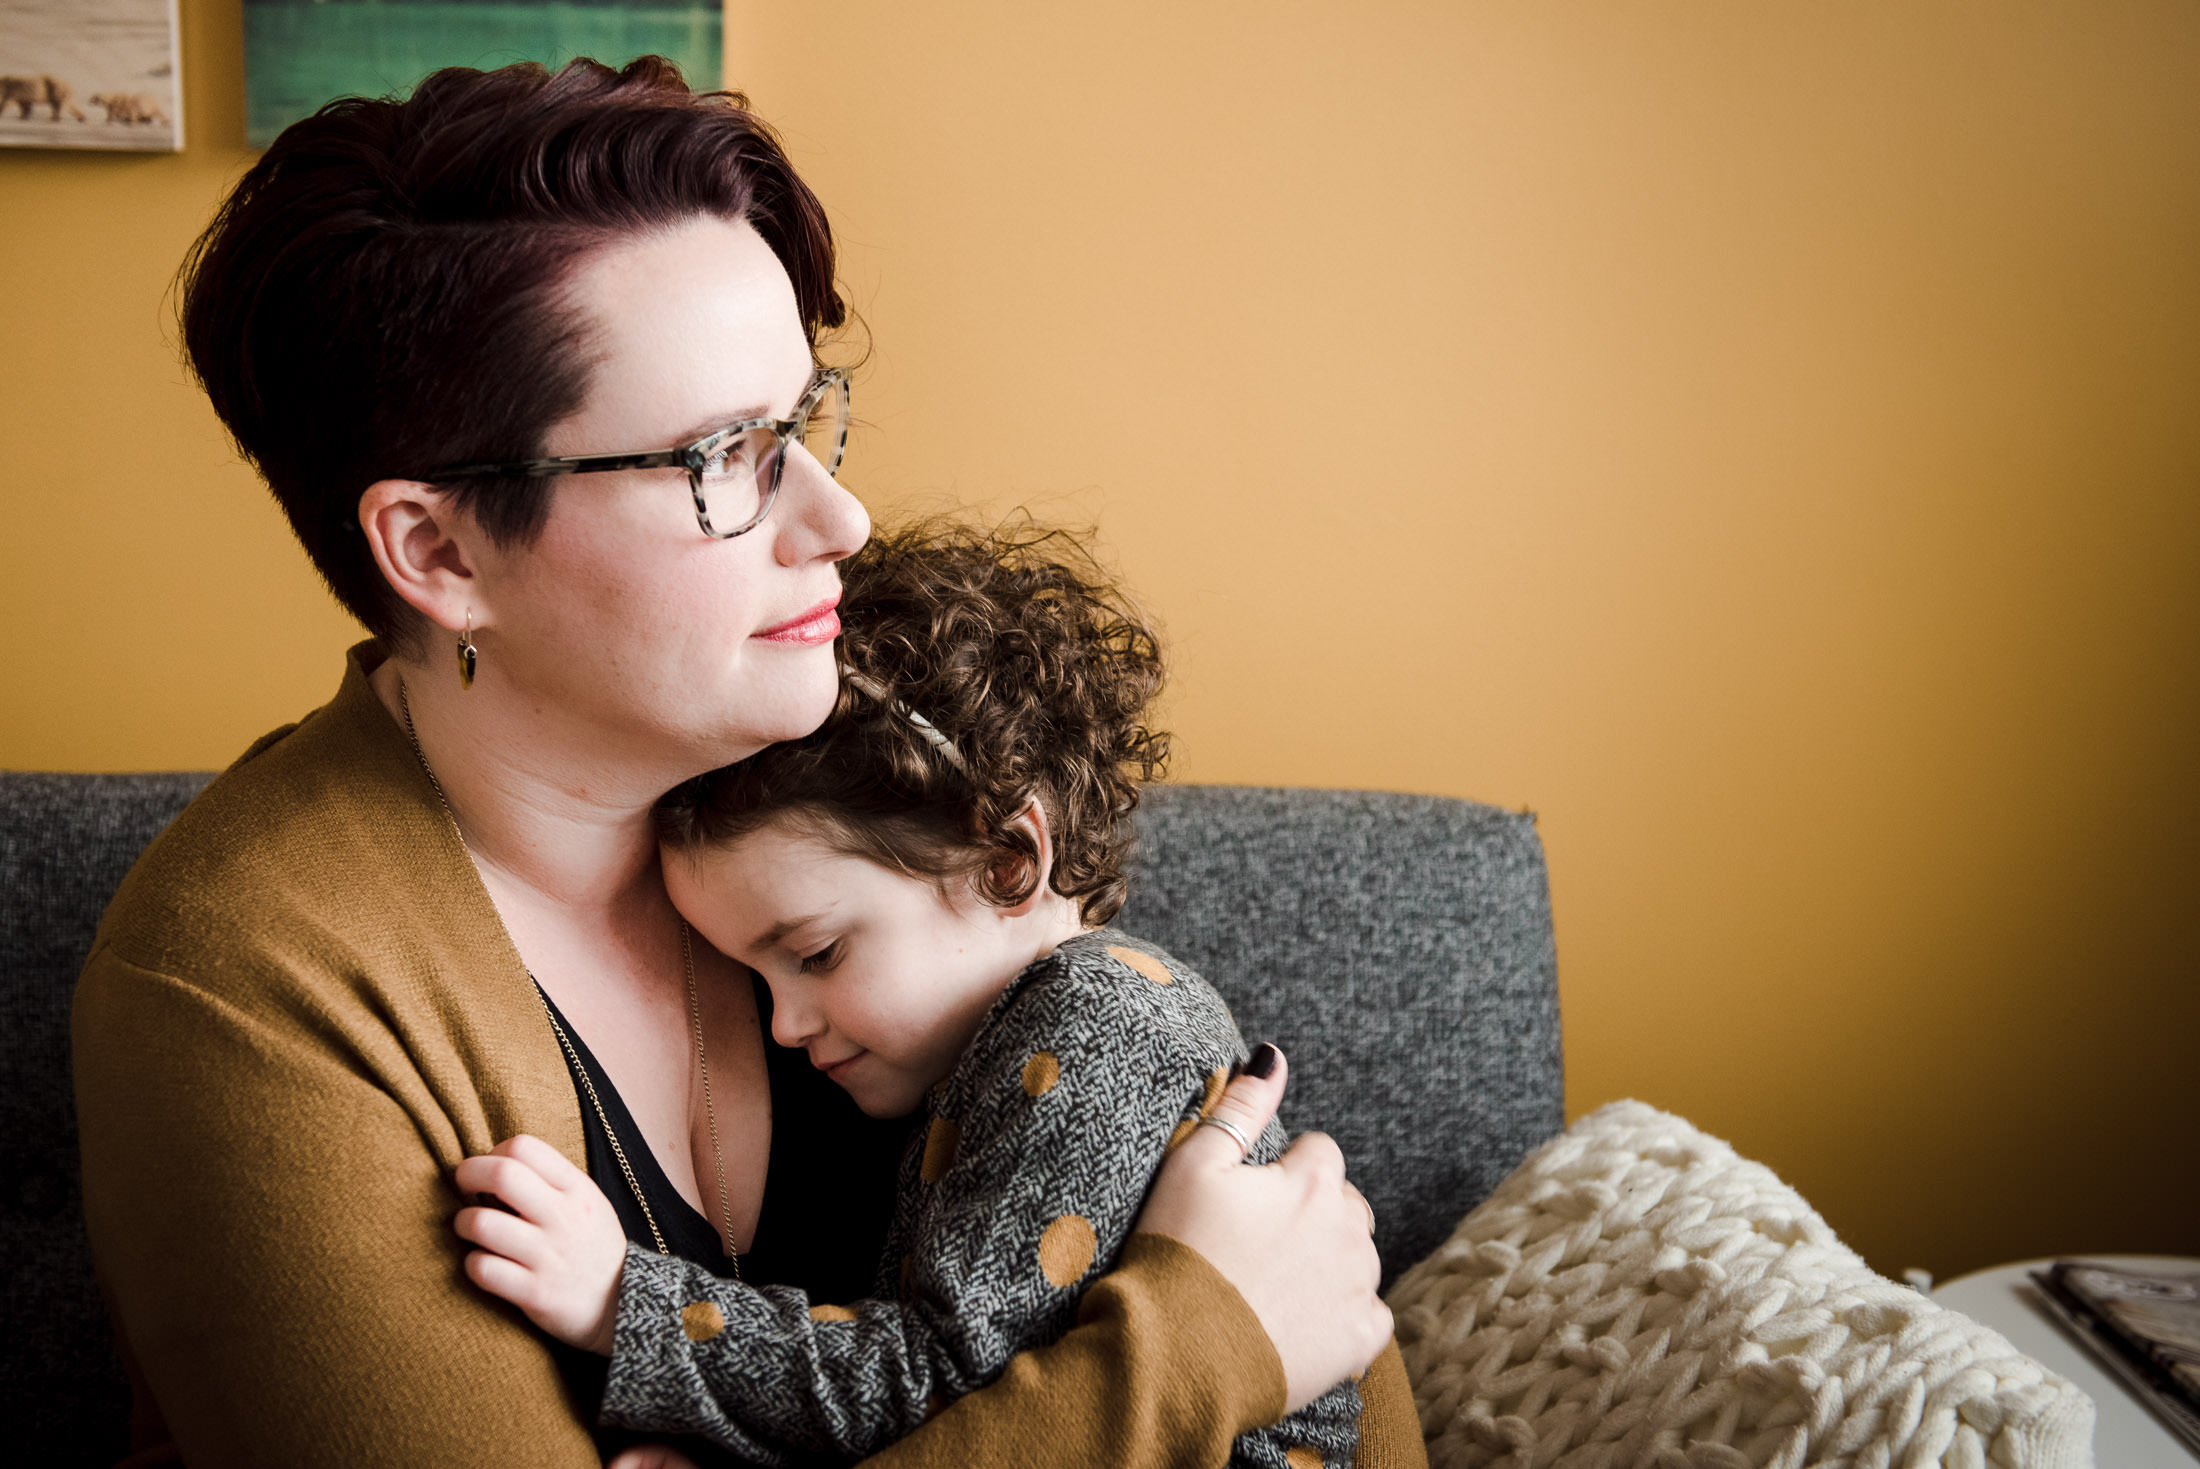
(736, 477)
(740, 475)
(825, 434)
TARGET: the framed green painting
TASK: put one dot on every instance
(300, 54)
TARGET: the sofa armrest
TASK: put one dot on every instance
(1639, 1290)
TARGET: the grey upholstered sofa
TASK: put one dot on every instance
(1397, 947)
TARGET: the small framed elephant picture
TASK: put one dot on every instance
(90, 74)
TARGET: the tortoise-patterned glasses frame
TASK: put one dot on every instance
(828, 394)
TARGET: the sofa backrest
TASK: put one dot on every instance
(65, 843)
(1397, 947)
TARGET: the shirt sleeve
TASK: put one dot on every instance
(1037, 1157)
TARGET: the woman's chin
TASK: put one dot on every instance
(792, 706)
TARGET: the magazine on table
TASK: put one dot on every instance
(2144, 1325)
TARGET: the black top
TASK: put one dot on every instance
(828, 1192)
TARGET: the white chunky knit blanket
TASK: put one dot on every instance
(1638, 1296)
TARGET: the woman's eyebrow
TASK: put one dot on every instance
(716, 422)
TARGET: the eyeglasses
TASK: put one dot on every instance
(734, 471)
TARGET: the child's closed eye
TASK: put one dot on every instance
(820, 960)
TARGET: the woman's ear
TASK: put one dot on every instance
(422, 542)
(1009, 868)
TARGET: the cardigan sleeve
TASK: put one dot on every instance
(274, 1233)
(1390, 1424)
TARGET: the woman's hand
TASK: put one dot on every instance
(559, 1254)
(1294, 1238)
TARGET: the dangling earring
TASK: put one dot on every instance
(468, 656)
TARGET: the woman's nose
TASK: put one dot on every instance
(816, 518)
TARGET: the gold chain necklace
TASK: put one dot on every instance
(695, 1020)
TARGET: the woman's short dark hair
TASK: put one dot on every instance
(1018, 651)
(381, 294)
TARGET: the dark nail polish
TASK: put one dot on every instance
(1263, 1062)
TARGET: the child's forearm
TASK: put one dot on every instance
(1169, 1356)
(762, 1373)
(1166, 1366)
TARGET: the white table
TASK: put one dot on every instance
(2125, 1434)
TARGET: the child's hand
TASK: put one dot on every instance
(559, 1255)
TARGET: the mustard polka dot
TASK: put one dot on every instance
(1066, 1250)
(939, 1150)
(702, 1321)
(1040, 1074)
(1216, 1081)
(831, 1313)
(1299, 1456)
(1183, 1130)
(1145, 964)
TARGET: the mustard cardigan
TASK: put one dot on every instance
(300, 1012)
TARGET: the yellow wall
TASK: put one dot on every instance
(1760, 438)
(154, 610)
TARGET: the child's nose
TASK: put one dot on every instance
(795, 1021)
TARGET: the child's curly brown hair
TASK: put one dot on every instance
(1017, 648)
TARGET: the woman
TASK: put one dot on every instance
(429, 917)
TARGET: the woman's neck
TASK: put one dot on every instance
(539, 802)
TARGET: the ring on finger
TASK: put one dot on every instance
(1245, 1144)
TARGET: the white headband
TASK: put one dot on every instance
(864, 684)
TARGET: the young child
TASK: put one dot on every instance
(921, 883)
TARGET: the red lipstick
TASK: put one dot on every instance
(818, 625)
